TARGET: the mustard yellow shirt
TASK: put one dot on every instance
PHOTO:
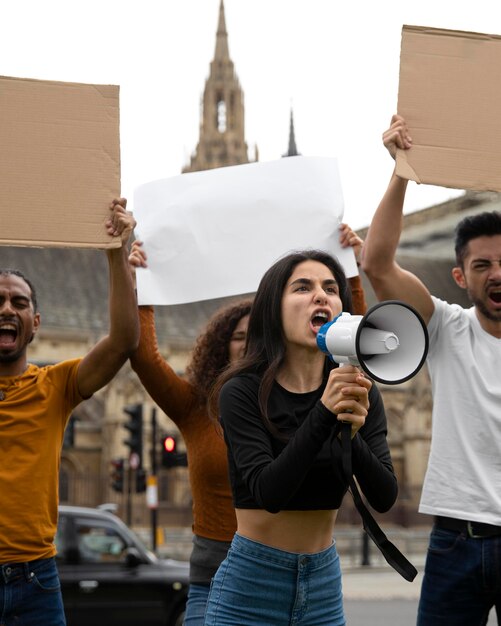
(33, 415)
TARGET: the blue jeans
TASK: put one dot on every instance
(462, 580)
(195, 606)
(257, 585)
(30, 594)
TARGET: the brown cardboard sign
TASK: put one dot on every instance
(450, 96)
(59, 162)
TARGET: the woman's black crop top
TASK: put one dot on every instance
(303, 472)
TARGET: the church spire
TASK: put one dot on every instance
(292, 151)
(222, 52)
(222, 138)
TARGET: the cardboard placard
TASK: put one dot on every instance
(450, 96)
(59, 162)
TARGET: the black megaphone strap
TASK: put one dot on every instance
(390, 552)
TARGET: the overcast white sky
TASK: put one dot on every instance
(336, 62)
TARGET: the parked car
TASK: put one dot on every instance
(109, 577)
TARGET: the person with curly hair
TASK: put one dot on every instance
(184, 400)
(221, 343)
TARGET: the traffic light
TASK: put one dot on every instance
(169, 445)
(140, 480)
(135, 426)
(170, 456)
(117, 475)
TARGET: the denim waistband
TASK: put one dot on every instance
(10, 572)
(291, 560)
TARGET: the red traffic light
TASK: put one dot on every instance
(170, 456)
(169, 444)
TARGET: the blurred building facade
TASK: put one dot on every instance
(72, 287)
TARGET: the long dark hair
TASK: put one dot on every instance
(265, 347)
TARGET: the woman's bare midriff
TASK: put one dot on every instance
(304, 532)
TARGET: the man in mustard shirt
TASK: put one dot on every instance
(35, 404)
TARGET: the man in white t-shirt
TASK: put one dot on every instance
(462, 487)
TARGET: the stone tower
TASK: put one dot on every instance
(222, 139)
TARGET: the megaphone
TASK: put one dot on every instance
(390, 342)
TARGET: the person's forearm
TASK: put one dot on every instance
(382, 239)
(173, 394)
(124, 323)
(375, 476)
(359, 303)
(147, 357)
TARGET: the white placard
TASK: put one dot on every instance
(214, 233)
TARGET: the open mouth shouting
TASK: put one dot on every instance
(318, 319)
(8, 335)
(494, 295)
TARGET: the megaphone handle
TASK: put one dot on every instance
(347, 410)
(390, 552)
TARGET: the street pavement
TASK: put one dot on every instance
(379, 596)
(379, 583)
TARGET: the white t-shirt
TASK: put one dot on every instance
(463, 479)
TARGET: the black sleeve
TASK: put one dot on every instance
(371, 458)
(271, 481)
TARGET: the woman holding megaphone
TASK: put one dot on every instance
(184, 398)
(280, 407)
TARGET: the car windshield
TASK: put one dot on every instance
(100, 540)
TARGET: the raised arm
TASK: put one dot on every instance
(101, 364)
(173, 394)
(388, 279)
